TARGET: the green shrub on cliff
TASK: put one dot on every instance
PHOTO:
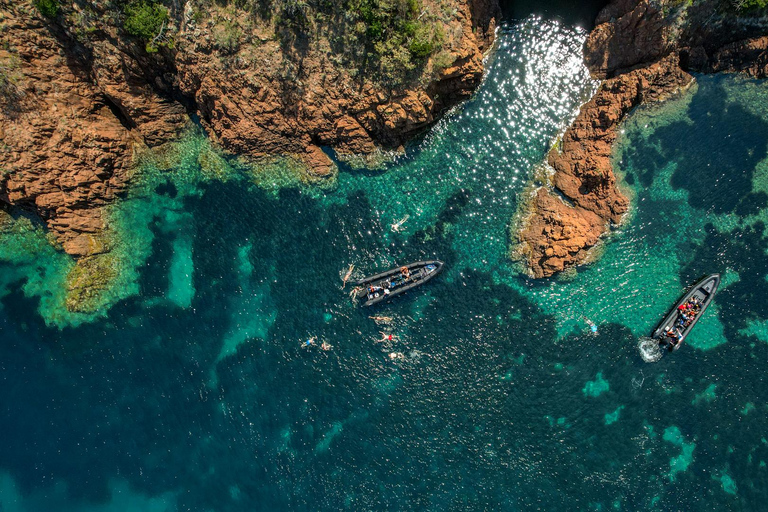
(48, 8)
(752, 5)
(397, 37)
(147, 20)
(9, 92)
(743, 7)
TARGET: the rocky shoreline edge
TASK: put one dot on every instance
(83, 102)
(644, 52)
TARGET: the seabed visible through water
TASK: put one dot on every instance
(192, 392)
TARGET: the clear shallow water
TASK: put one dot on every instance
(192, 393)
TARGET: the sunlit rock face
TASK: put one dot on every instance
(190, 388)
(643, 52)
(81, 97)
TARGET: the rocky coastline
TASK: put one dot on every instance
(81, 98)
(644, 51)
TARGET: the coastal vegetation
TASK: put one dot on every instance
(9, 91)
(750, 6)
(48, 8)
(389, 40)
(147, 19)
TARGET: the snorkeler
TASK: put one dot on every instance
(347, 276)
(379, 319)
(386, 337)
(397, 226)
(592, 325)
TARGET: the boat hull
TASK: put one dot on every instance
(382, 287)
(704, 290)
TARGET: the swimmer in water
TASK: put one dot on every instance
(381, 319)
(592, 325)
(310, 342)
(386, 337)
(347, 276)
(396, 355)
(326, 346)
(397, 226)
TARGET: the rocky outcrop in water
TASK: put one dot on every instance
(64, 152)
(643, 51)
(79, 97)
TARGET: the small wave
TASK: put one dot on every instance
(649, 350)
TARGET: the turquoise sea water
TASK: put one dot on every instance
(192, 392)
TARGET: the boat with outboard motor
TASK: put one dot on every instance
(677, 324)
(380, 287)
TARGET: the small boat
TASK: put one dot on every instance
(672, 331)
(374, 289)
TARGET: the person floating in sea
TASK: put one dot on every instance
(396, 355)
(310, 342)
(347, 276)
(397, 226)
(381, 319)
(326, 346)
(386, 337)
(592, 325)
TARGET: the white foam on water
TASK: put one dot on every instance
(649, 350)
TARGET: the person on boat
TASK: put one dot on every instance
(405, 272)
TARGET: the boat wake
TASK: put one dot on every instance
(649, 350)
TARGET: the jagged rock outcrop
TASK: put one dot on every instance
(63, 149)
(80, 96)
(258, 101)
(558, 234)
(643, 51)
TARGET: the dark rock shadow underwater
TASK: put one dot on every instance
(487, 410)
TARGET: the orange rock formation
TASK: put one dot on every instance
(642, 54)
(74, 110)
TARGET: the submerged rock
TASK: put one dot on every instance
(81, 94)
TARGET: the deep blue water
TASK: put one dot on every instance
(192, 392)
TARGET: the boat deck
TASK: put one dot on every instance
(703, 292)
(383, 286)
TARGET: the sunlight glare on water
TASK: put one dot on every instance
(196, 390)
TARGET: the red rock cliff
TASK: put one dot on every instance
(78, 97)
(643, 51)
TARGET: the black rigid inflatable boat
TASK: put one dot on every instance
(380, 287)
(673, 329)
